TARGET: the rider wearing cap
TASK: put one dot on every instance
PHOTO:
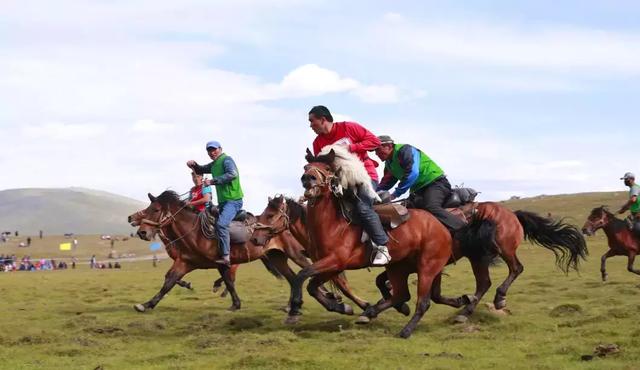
(633, 204)
(359, 141)
(226, 179)
(420, 175)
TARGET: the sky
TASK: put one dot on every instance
(511, 98)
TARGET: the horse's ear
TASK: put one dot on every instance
(309, 157)
(331, 156)
(151, 197)
(270, 199)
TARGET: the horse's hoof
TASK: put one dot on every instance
(285, 309)
(404, 309)
(404, 334)
(139, 307)
(233, 308)
(460, 319)
(292, 320)
(224, 294)
(500, 304)
(363, 320)
(347, 310)
(604, 277)
(215, 289)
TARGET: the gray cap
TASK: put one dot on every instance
(628, 175)
(385, 139)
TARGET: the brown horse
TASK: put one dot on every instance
(621, 240)
(285, 215)
(179, 228)
(421, 245)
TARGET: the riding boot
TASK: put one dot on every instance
(382, 256)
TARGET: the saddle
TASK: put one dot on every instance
(240, 229)
(460, 203)
(391, 215)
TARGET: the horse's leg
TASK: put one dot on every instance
(184, 284)
(326, 264)
(225, 272)
(603, 263)
(428, 270)
(483, 283)
(341, 282)
(438, 298)
(279, 262)
(329, 304)
(632, 256)
(515, 269)
(381, 282)
(398, 276)
(175, 273)
(217, 284)
(232, 272)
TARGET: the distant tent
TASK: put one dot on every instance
(155, 246)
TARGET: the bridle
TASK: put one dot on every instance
(283, 215)
(164, 221)
(324, 178)
(599, 223)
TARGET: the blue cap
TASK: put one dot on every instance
(213, 144)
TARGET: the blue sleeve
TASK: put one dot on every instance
(411, 166)
(230, 172)
(206, 190)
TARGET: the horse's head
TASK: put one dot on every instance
(599, 217)
(273, 220)
(148, 219)
(318, 175)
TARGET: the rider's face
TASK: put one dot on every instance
(319, 125)
(197, 179)
(214, 153)
(628, 182)
(384, 151)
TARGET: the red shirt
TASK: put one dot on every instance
(360, 141)
(196, 193)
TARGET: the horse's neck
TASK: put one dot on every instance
(299, 231)
(615, 228)
(323, 215)
(183, 223)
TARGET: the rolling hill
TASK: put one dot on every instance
(67, 210)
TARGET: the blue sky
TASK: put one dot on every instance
(512, 98)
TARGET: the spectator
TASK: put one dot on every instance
(117, 265)
(155, 260)
(73, 262)
(92, 262)
(40, 234)
(28, 241)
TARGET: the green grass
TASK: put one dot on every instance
(84, 319)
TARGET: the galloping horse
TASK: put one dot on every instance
(421, 245)
(179, 228)
(621, 240)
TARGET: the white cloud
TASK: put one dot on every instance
(312, 80)
(510, 45)
(151, 126)
(61, 131)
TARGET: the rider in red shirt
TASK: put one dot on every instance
(200, 194)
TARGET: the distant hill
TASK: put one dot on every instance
(68, 210)
(576, 207)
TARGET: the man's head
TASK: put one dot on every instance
(214, 149)
(385, 150)
(320, 120)
(197, 179)
(629, 179)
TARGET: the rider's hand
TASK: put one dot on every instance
(208, 182)
(191, 163)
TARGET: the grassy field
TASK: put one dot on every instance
(83, 319)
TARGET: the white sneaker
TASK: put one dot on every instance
(382, 256)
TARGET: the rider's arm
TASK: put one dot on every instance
(363, 140)
(230, 172)
(409, 158)
(627, 205)
(388, 180)
(202, 169)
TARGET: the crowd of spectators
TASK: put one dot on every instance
(10, 263)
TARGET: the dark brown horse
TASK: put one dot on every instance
(621, 240)
(421, 245)
(179, 228)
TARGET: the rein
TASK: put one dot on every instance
(165, 221)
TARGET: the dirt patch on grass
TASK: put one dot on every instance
(32, 339)
(106, 330)
(244, 323)
(565, 310)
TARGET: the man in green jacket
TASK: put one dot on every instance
(420, 175)
(633, 204)
(226, 180)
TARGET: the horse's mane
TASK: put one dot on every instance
(170, 198)
(295, 210)
(350, 169)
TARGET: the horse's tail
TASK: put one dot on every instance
(478, 240)
(563, 239)
(267, 263)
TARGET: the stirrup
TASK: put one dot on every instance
(381, 257)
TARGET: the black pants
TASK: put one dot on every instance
(432, 197)
(635, 224)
